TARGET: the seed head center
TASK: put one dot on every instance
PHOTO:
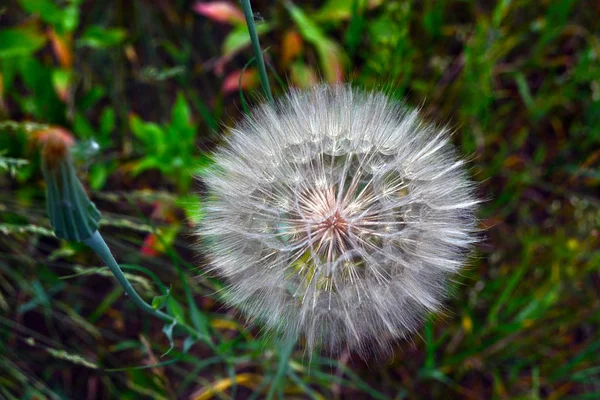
(330, 229)
(334, 223)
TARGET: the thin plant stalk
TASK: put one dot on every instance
(97, 243)
(260, 62)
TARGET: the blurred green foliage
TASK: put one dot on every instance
(142, 87)
(171, 148)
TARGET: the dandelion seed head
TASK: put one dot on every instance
(338, 215)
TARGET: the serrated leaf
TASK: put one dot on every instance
(16, 42)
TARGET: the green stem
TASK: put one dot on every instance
(97, 243)
(262, 71)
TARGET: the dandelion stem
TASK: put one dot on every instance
(262, 71)
(97, 243)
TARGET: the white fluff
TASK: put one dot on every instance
(337, 216)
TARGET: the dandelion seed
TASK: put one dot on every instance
(337, 216)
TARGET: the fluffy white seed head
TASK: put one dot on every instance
(337, 216)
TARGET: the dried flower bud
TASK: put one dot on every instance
(338, 216)
(72, 214)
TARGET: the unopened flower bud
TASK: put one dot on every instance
(73, 215)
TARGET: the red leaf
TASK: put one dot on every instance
(291, 47)
(61, 46)
(149, 246)
(220, 11)
(232, 81)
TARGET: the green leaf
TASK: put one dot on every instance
(308, 28)
(191, 207)
(538, 306)
(433, 18)
(337, 10)
(175, 309)
(524, 91)
(139, 367)
(188, 343)
(82, 127)
(202, 163)
(565, 368)
(500, 12)
(302, 75)
(199, 320)
(148, 162)
(238, 38)
(149, 133)
(107, 122)
(510, 284)
(159, 301)
(181, 113)
(97, 176)
(47, 10)
(64, 19)
(70, 19)
(330, 53)
(61, 79)
(355, 30)
(91, 98)
(98, 37)
(168, 330)
(285, 350)
(436, 375)
(20, 42)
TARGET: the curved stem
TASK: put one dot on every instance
(97, 243)
(262, 71)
